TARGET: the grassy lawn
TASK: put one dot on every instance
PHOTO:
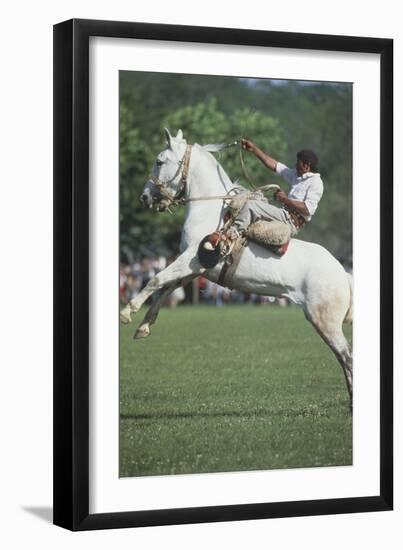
(232, 388)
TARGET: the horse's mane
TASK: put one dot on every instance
(215, 148)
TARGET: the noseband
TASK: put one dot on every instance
(163, 185)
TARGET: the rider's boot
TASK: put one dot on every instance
(213, 240)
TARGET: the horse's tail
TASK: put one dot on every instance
(349, 315)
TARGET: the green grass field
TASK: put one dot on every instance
(228, 389)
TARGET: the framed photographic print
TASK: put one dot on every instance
(223, 242)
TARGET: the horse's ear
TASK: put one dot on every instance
(179, 135)
(169, 137)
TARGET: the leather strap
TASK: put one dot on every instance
(229, 268)
(296, 218)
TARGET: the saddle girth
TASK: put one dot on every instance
(231, 263)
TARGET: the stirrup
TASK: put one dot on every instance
(216, 246)
(209, 251)
(221, 239)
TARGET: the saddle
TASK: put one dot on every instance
(219, 246)
(271, 234)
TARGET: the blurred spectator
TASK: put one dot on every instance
(177, 296)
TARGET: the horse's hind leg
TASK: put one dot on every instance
(150, 317)
(328, 323)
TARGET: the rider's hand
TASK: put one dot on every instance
(280, 195)
(248, 145)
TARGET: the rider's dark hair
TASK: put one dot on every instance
(309, 157)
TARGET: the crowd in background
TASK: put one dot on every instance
(134, 277)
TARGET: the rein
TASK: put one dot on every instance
(243, 166)
(256, 193)
(179, 200)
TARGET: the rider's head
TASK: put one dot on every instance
(307, 161)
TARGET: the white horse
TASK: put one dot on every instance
(307, 274)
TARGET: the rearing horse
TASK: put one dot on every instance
(307, 274)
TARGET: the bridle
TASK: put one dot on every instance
(162, 186)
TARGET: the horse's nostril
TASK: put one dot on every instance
(143, 198)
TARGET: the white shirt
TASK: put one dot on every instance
(307, 188)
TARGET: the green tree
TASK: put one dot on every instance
(206, 123)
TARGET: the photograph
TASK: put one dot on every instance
(203, 202)
(235, 275)
(225, 248)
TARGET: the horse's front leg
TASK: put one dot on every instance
(185, 265)
(152, 313)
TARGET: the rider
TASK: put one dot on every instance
(298, 207)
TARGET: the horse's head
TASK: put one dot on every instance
(167, 179)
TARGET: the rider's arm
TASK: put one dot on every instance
(261, 155)
(297, 206)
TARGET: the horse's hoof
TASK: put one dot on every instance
(142, 332)
(125, 317)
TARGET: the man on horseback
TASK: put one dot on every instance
(298, 207)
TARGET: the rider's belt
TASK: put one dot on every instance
(296, 218)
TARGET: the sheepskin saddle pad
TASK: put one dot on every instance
(269, 233)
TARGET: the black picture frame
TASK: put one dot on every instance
(71, 274)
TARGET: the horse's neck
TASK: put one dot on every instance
(207, 176)
(206, 179)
